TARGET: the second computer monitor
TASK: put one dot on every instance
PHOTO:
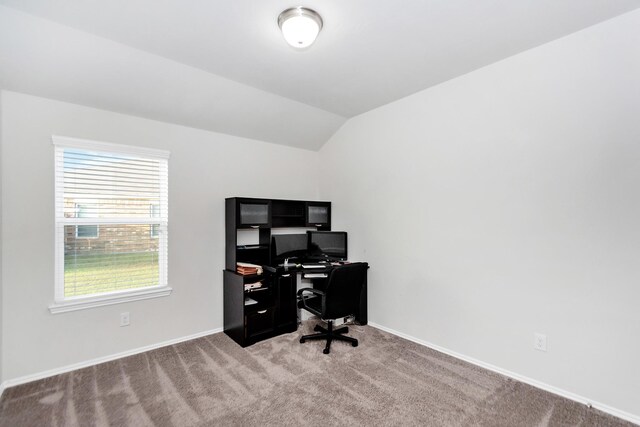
(331, 244)
(289, 246)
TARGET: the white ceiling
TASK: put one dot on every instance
(369, 53)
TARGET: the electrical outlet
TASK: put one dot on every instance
(540, 342)
(124, 319)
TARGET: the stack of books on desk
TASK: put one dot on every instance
(247, 269)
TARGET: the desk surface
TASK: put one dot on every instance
(304, 267)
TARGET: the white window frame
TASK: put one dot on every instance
(62, 304)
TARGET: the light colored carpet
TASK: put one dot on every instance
(386, 380)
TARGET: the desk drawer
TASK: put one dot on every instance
(259, 322)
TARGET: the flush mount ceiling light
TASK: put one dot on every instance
(300, 26)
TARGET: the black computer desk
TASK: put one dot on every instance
(274, 307)
(318, 277)
(254, 313)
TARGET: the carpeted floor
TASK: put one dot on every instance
(386, 380)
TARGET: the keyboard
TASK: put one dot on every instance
(315, 276)
(314, 265)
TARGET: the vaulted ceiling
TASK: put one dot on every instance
(224, 66)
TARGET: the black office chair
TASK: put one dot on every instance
(340, 298)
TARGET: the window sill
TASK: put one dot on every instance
(99, 301)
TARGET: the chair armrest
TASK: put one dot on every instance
(312, 290)
(303, 298)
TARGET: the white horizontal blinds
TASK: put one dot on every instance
(110, 186)
(111, 217)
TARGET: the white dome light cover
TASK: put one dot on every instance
(300, 26)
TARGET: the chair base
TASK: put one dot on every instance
(329, 334)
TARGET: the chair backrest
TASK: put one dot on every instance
(344, 286)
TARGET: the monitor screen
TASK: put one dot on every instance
(333, 244)
(289, 245)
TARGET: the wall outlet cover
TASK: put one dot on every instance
(540, 342)
(124, 319)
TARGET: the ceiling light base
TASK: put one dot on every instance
(300, 26)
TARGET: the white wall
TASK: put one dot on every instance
(204, 168)
(505, 202)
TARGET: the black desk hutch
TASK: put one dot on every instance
(273, 310)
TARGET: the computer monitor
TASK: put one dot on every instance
(330, 244)
(289, 246)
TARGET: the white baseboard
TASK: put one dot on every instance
(51, 372)
(555, 390)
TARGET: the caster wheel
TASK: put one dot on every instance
(302, 340)
(317, 328)
(325, 351)
(354, 344)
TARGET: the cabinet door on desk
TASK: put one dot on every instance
(258, 323)
(253, 213)
(319, 214)
(287, 313)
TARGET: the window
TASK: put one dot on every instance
(111, 223)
